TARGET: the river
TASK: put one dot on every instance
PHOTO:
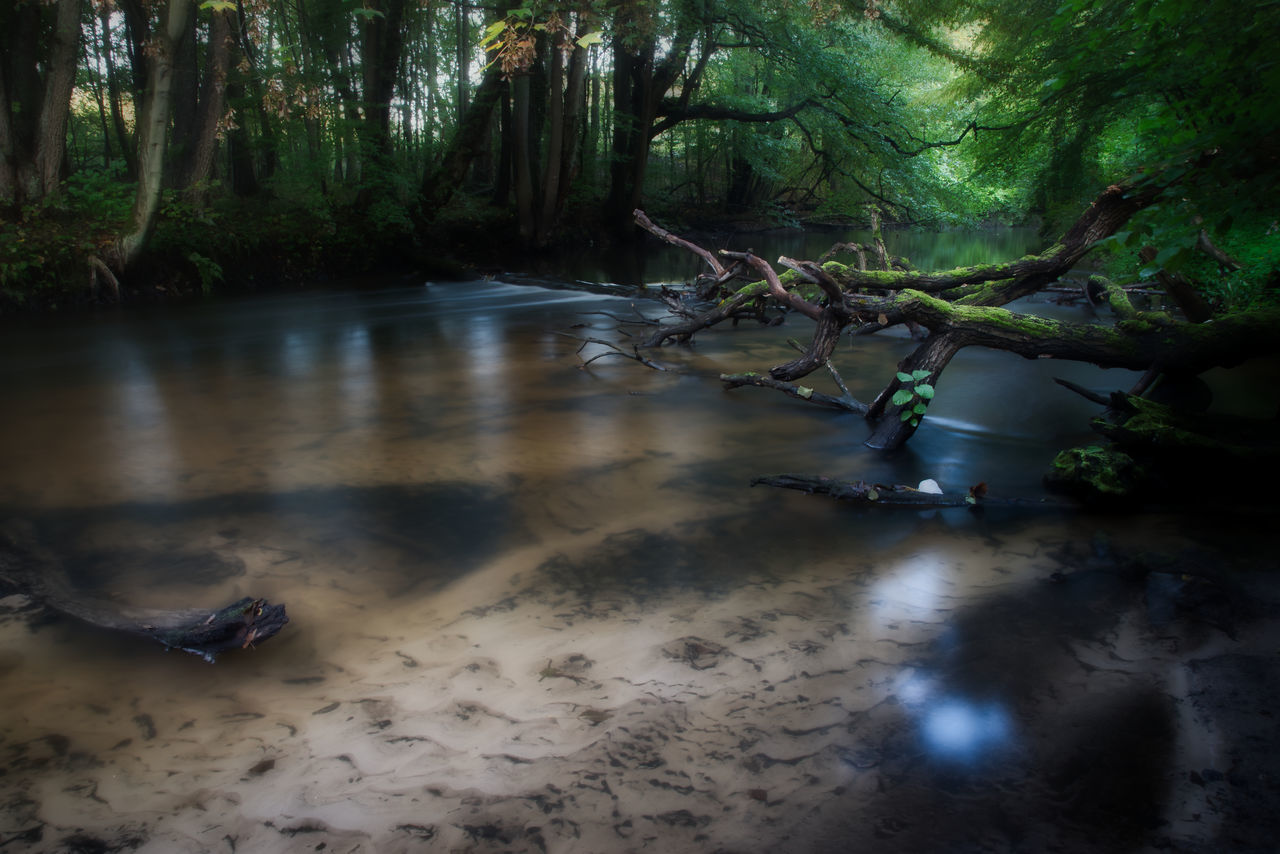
(537, 606)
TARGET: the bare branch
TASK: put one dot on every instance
(1091, 396)
(662, 234)
(848, 404)
(614, 350)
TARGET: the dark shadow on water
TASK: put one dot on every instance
(1004, 739)
(439, 532)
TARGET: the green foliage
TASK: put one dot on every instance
(1173, 229)
(939, 112)
(209, 271)
(1094, 91)
(914, 396)
(45, 247)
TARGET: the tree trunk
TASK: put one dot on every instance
(36, 79)
(186, 106)
(56, 107)
(267, 144)
(98, 96)
(152, 125)
(563, 119)
(383, 44)
(520, 144)
(9, 197)
(555, 143)
(213, 92)
(640, 82)
(503, 170)
(125, 139)
(462, 57)
(630, 150)
(440, 183)
(240, 164)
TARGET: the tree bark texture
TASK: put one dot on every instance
(152, 126)
(211, 106)
(37, 76)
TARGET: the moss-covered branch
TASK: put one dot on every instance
(1135, 342)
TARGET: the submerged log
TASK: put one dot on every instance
(28, 569)
(895, 495)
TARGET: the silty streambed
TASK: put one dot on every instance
(536, 607)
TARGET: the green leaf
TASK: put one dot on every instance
(902, 395)
(969, 499)
(917, 376)
(1166, 253)
(925, 391)
(906, 414)
(905, 378)
(590, 38)
(806, 393)
(920, 408)
(915, 422)
(218, 5)
(872, 495)
(492, 32)
(362, 12)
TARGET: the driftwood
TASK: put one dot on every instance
(27, 568)
(847, 402)
(895, 495)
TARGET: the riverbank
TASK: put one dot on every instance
(54, 259)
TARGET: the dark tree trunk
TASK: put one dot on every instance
(127, 143)
(213, 99)
(502, 174)
(186, 107)
(520, 145)
(383, 44)
(268, 159)
(37, 75)
(440, 183)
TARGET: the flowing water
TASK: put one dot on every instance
(538, 607)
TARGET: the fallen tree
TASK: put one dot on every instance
(29, 569)
(966, 307)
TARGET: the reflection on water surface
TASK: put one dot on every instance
(536, 607)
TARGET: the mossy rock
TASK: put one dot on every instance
(1096, 475)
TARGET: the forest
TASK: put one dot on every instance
(192, 145)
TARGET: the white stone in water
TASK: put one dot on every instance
(929, 485)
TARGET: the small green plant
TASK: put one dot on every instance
(914, 396)
(210, 271)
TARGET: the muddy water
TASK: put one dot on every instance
(538, 608)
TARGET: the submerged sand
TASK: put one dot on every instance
(956, 692)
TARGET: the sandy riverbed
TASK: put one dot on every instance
(957, 692)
